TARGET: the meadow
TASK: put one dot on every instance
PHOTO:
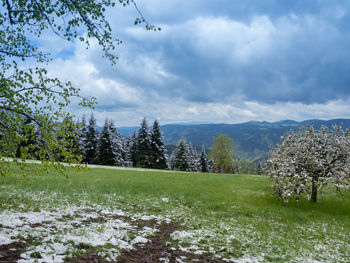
(103, 214)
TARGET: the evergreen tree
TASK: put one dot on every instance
(106, 150)
(193, 158)
(134, 149)
(158, 155)
(127, 146)
(203, 160)
(82, 129)
(90, 142)
(144, 146)
(119, 144)
(180, 160)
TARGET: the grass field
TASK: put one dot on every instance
(101, 213)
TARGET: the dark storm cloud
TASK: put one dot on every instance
(219, 51)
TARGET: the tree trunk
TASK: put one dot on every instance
(314, 189)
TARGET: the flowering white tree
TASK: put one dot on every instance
(308, 160)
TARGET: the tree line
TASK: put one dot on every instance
(81, 141)
(145, 148)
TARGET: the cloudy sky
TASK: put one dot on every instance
(216, 61)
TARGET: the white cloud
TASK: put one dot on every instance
(216, 69)
(226, 38)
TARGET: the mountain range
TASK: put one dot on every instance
(252, 140)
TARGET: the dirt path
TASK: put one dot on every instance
(155, 251)
(158, 249)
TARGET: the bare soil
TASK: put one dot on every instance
(157, 248)
(11, 252)
(151, 252)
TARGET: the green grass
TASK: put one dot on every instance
(239, 213)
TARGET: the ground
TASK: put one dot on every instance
(148, 216)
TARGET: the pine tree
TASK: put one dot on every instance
(106, 150)
(193, 158)
(82, 129)
(158, 155)
(90, 142)
(134, 149)
(204, 163)
(181, 157)
(144, 146)
(120, 148)
(127, 146)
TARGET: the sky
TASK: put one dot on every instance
(223, 61)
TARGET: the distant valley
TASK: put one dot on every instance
(252, 140)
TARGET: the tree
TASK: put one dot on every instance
(29, 93)
(308, 160)
(158, 155)
(244, 167)
(222, 154)
(120, 146)
(204, 163)
(90, 141)
(144, 146)
(28, 141)
(82, 129)
(180, 157)
(68, 136)
(106, 147)
(193, 158)
(134, 147)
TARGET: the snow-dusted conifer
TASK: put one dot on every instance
(82, 128)
(128, 143)
(158, 151)
(308, 160)
(193, 158)
(106, 148)
(119, 148)
(90, 141)
(134, 147)
(180, 158)
(144, 146)
(203, 161)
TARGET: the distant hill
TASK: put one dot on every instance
(252, 139)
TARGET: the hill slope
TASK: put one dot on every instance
(252, 139)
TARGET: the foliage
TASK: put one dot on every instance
(245, 167)
(29, 93)
(221, 154)
(309, 159)
(68, 133)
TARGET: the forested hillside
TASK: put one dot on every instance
(252, 140)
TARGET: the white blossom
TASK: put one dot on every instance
(308, 160)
